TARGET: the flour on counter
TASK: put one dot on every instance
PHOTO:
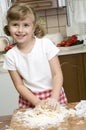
(31, 119)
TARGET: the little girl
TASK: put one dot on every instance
(32, 63)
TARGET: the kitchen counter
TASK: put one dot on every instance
(72, 50)
(5, 121)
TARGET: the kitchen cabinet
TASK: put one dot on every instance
(84, 67)
(8, 94)
(74, 73)
(40, 4)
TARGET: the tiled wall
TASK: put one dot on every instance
(53, 20)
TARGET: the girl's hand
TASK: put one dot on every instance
(52, 104)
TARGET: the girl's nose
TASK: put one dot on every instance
(20, 29)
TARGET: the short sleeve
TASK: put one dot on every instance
(50, 48)
(9, 62)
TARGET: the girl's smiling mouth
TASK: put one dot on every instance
(20, 35)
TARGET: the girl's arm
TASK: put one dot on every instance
(57, 77)
(22, 89)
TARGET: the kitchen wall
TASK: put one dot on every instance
(53, 20)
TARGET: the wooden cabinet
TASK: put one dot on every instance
(74, 73)
(84, 67)
(40, 4)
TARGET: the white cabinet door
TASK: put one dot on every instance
(8, 95)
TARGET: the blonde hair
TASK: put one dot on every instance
(20, 11)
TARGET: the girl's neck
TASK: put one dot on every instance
(26, 47)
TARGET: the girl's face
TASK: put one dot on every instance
(22, 30)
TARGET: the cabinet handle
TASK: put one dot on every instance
(64, 63)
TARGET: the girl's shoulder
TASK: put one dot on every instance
(47, 42)
(44, 40)
(47, 45)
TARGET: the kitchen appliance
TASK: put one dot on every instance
(3, 42)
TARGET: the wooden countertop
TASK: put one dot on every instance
(5, 121)
(74, 124)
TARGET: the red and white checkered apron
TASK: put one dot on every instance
(42, 96)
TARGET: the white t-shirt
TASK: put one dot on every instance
(34, 66)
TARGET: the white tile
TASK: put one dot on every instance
(51, 12)
(52, 21)
(62, 20)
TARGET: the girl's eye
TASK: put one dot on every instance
(26, 25)
(15, 24)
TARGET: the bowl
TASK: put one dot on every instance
(4, 42)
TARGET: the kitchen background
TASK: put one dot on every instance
(60, 20)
